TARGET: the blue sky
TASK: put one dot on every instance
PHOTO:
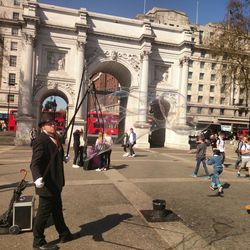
(209, 10)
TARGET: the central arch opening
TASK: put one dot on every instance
(114, 80)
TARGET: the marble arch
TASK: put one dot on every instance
(149, 58)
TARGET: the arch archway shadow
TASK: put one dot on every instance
(159, 108)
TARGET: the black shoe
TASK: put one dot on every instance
(46, 247)
(68, 237)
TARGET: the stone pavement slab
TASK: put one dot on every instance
(103, 208)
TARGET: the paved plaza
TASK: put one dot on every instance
(103, 209)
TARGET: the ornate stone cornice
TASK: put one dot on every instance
(53, 84)
(113, 55)
(29, 38)
(145, 53)
(184, 60)
(80, 44)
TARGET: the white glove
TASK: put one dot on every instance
(66, 158)
(39, 182)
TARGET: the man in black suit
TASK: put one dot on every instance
(48, 175)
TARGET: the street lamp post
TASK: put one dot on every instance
(8, 107)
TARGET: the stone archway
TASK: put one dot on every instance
(43, 93)
(128, 80)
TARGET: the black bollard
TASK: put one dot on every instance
(159, 211)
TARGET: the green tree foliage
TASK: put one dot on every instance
(231, 44)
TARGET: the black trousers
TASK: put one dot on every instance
(46, 207)
(76, 153)
(107, 156)
(131, 150)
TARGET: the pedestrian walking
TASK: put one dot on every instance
(76, 147)
(216, 161)
(48, 175)
(201, 157)
(100, 148)
(131, 142)
(238, 151)
(213, 140)
(245, 156)
(107, 155)
(220, 144)
(125, 144)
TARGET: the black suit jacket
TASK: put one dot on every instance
(46, 154)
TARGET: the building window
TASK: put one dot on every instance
(200, 88)
(190, 74)
(199, 110)
(200, 99)
(241, 101)
(189, 87)
(213, 56)
(13, 61)
(15, 16)
(202, 65)
(224, 57)
(13, 46)
(210, 111)
(188, 109)
(203, 53)
(190, 63)
(10, 98)
(211, 99)
(188, 98)
(201, 77)
(14, 31)
(222, 111)
(213, 65)
(12, 79)
(17, 2)
(222, 100)
(242, 91)
(212, 77)
(222, 89)
(224, 79)
(224, 66)
(212, 88)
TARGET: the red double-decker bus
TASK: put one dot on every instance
(59, 117)
(108, 121)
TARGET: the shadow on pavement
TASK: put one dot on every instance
(97, 228)
(119, 166)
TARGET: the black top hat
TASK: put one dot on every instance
(46, 118)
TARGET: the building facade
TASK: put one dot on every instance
(46, 49)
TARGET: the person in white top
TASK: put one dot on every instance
(220, 143)
(131, 142)
(245, 156)
(109, 142)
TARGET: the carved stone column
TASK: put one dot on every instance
(183, 91)
(24, 118)
(25, 95)
(142, 127)
(80, 68)
(143, 95)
